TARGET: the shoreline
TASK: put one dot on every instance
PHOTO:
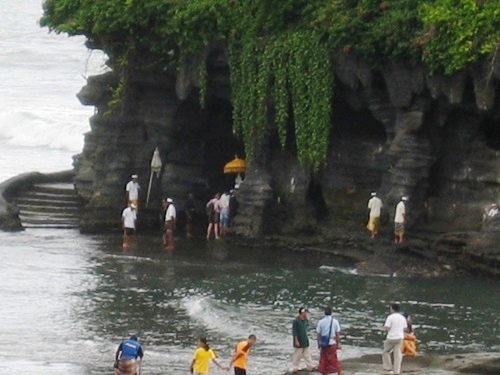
(428, 250)
(471, 363)
(413, 258)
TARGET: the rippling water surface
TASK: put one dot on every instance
(67, 299)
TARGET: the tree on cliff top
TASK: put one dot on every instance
(281, 51)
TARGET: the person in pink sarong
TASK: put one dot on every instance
(328, 360)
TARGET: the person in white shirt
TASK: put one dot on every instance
(129, 219)
(493, 211)
(224, 213)
(170, 219)
(375, 206)
(400, 220)
(395, 325)
(132, 191)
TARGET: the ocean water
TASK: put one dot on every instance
(41, 121)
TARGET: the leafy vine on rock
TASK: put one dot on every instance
(281, 52)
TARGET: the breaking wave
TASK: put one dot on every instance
(29, 129)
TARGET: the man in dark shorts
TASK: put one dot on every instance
(239, 360)
(213, 212)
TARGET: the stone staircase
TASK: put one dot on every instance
(49, 205)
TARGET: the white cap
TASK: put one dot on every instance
(373, 193)
(405, 198)
(170, 200)
(135, 176)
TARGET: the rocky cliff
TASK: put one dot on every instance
(396, 130)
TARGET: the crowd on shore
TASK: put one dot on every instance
(220, 210)
(400, 340)
(222, 207)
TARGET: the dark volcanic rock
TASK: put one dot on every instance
(395, 129)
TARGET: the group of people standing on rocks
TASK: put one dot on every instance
(328, 335)
(222, 207)
(375, 206)
(399, 341)
(129, 215)
(219, 211)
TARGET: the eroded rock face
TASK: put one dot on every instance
(159, 109)
(395, 130)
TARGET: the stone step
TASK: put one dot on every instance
(51, 225)
(54, 188)
(48, 215)
(41, 196)
(48, 207)
(48, 219)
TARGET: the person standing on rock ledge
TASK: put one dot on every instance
(375, 206)
(395, 325)
(400, 220)
(132, 191)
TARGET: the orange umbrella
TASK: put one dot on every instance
(235, 166)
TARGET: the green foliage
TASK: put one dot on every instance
(281, 51)
(293, 75)
(459, 31)
(377, 30)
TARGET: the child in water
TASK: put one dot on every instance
(201, 358)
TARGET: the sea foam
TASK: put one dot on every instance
(29, 129)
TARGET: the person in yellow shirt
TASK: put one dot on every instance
(239, 360)
(201, 358)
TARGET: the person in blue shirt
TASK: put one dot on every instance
(329, 329)
(126, 357)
